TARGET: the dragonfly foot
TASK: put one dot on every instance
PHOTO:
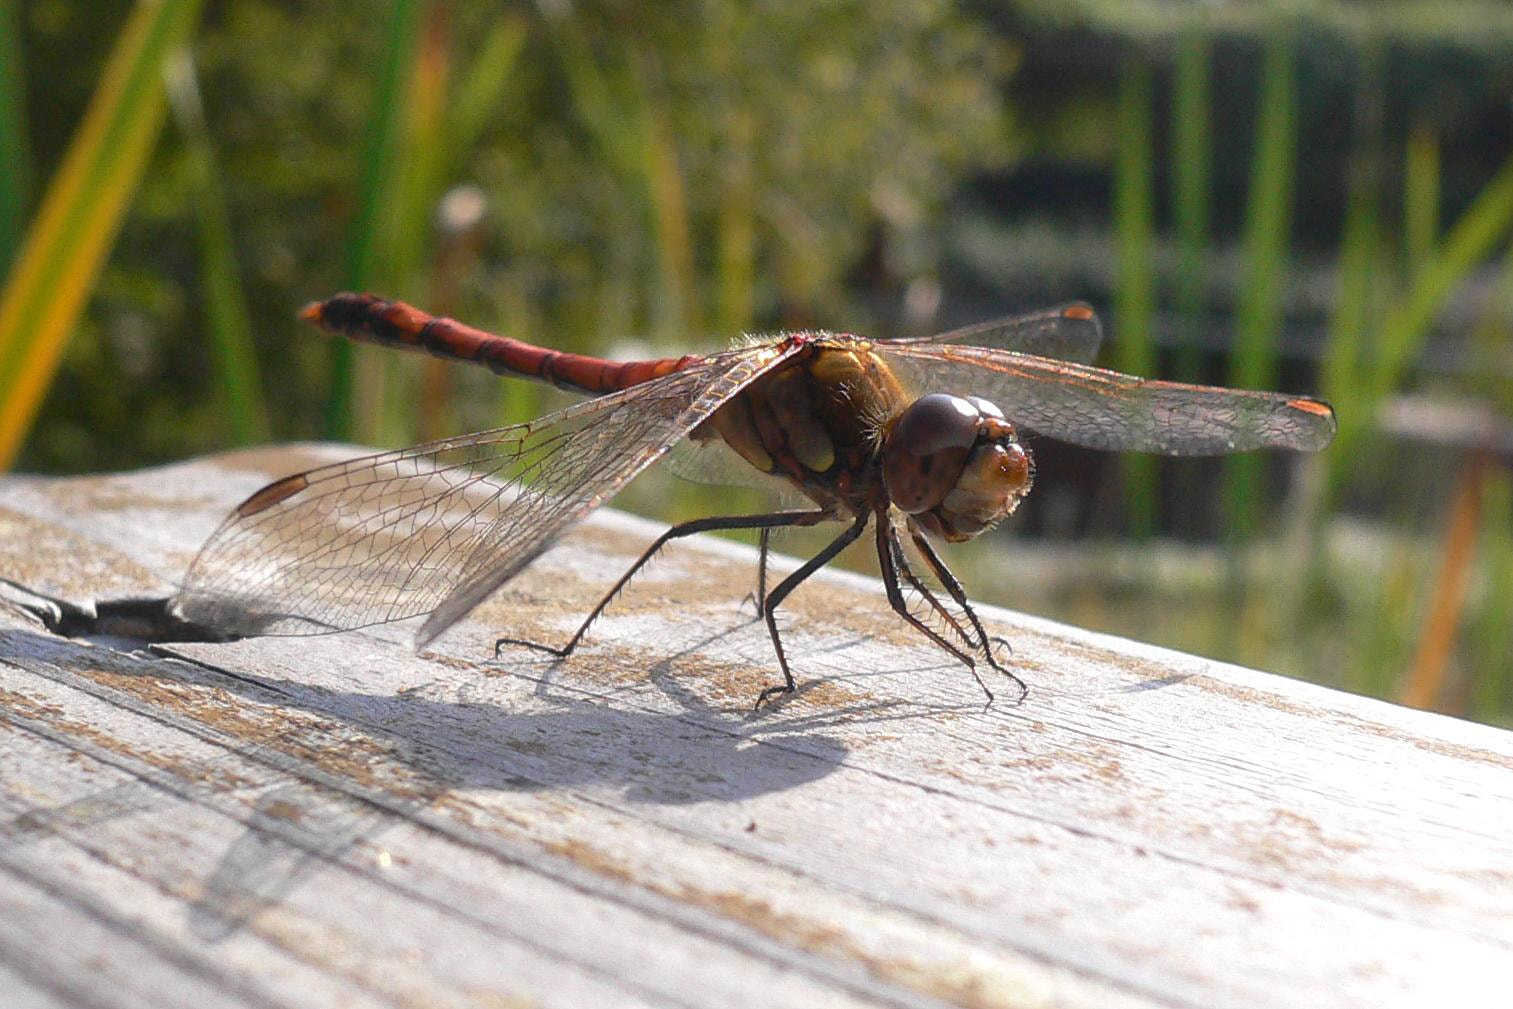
(771, 692)
(560, 653)
(1001, 669)
(972, 668)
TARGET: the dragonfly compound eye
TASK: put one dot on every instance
(954, 465)
(926, 449)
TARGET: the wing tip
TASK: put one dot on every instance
(1082, 313)
(431, 630)
(1328, 422)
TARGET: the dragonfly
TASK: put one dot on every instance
(922, 438)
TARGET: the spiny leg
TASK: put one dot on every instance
(974, 643)
(889, 551)
(763, 522)
(959, 594)
(905, 571)
(761, 589)
(787, 585)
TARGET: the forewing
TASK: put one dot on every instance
(715, 464)
(1068, 333)
(1109, 410)
(436, 528)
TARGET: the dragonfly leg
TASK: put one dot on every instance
(787, 585)
(763, 522)
(959, 594)
(761, 589)
(974, 643)
(906, 572)
(759, 595)
(889, 555)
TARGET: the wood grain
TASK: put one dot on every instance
(334, 821)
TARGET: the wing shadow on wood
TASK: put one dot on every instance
(293, 831)
(738, 657)
(340, 768)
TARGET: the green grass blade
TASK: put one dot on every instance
(1191, 166)
(1135, 298)
(1491, 340)
(1471, 240)
(15, 156)
(1421, 192)
(1490, 634)
(602, 100)
(617, 102)
(676, 311)
(228, 323)
(1383, 625)
(738, 227)
(379, 166)
(486, 84)
(624, 106)
(409, 231)
(1474, 236)
(1362, 243)
(1267, 227)
(81, 212)
(1353, 320)
(420, 151)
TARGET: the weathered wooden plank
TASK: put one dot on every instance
(249, 853)
(335, 819)
(21, 993)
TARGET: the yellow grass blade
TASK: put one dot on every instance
(81, 213)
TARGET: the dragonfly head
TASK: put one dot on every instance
(954, 465)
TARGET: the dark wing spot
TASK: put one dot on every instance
(272, 494)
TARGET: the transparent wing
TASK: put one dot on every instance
(437, 528)
(1068, 333)
(1108, 410)
(713, 463)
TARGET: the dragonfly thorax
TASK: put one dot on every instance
(954, 465)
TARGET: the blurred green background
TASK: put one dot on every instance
(1312, 196)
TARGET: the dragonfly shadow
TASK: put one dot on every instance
(668, 672)
(335, 769)
(828, 667)
(824, 668)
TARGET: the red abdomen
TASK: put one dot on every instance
(368, 318)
